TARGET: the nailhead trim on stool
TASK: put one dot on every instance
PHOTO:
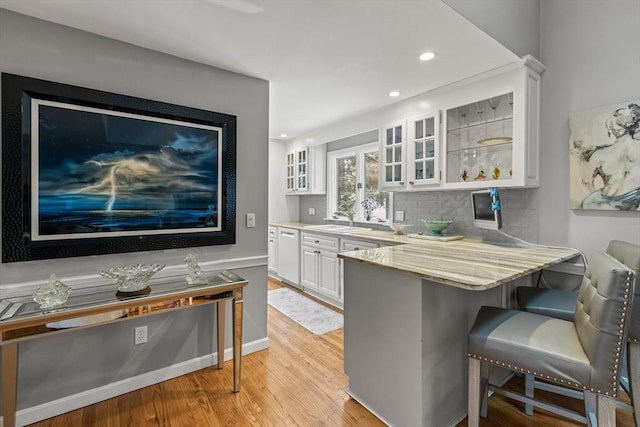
(616, 361)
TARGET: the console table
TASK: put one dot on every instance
(22, 319)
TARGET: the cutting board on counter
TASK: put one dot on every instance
(443, 238)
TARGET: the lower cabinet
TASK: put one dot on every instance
(319, 266)
(272, 250)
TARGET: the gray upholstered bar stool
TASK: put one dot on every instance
(559, 304)
(584, 354)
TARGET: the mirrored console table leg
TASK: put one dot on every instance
(237, 338)
(9, 383)
(221, 312)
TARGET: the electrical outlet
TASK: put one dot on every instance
(251, 220)
(140, 335)
(312, 211)
(399, 216)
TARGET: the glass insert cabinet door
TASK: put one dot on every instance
(479, 140)
(393, 174)
(423, 150)
(291, 168)
(303, 168)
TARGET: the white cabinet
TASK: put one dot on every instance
(306, 170)
(319, 264)
(491, 130)
(423, 151)
(484, 132)
(289, 255)
(272, 250)
(392, 155)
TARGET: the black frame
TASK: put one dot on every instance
(17, 245)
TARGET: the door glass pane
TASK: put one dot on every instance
(398, 157)
(430, 149)
(429, 126)
(390, 136)
(388, 175)
(346, 183)
(419, 130)
(375, 203)
(430, 169)
(397, 172)
(419, 170)
(419, 150)
(389, 157)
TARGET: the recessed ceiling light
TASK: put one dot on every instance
(427, 56)
(284, 135)
(394, 93)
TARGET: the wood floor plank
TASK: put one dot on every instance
(298, 382)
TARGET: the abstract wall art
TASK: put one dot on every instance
(89, 172)
(604, 157)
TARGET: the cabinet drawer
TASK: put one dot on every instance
(320, 241)
(273, 232)
(347, 245)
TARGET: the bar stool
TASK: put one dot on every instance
(559, 304)
(584, 354)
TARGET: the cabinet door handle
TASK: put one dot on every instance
(411, 182)
(270, 240)
(317, 241)
(401, 183)
(356, 248)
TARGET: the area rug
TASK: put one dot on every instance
(308, 313)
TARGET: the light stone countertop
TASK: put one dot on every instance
(468, 264)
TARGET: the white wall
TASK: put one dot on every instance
(590, 48)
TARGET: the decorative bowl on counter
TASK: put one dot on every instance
(436, 226)
(132, 278)
(398, 228)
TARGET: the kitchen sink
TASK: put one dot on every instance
(336, 228)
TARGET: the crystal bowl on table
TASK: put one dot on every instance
(398, 228)
(437, 226)
(132, 278)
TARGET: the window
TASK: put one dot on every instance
(353, 185)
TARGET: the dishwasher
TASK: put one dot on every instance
(289, 255)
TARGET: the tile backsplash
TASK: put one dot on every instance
(519, 212)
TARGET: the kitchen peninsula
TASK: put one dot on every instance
(408, 310)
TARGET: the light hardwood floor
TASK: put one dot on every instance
(298, 381)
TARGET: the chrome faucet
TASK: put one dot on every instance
(347, 214)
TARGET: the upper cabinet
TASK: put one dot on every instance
(484, 132)
(393, 150)
(491, 130)
(306, 170)
(410, 154)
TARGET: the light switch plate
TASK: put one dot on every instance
(312, 211)
(251, 220)
(399, 216)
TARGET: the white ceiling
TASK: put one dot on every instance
(325, 59)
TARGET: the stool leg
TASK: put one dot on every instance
(529, 388)
(606, 411)
(633, 369)
(474, 392)
(484, 381)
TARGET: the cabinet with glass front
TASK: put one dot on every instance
(480, 140)
(491, 132)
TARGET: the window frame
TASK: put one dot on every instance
(359, 152)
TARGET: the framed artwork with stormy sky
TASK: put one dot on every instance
(93, 172)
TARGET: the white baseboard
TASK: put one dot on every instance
(70, 403)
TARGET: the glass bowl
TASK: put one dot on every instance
(131, 278)
(398, 228)
(436, 226)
